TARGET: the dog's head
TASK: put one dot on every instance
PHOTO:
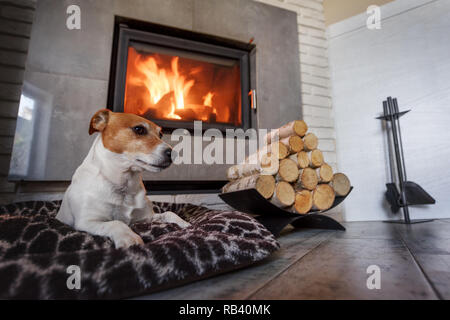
(136, 138)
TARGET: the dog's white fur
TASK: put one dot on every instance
(107, 194)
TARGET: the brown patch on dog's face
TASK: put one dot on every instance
(131, 134)
(126, 133)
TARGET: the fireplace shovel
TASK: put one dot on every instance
(415, 195)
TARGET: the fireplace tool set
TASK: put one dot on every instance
(407, 193)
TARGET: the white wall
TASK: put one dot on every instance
(408, 58)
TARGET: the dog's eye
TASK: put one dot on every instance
(140, 130)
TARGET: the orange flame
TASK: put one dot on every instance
(159, 82)
(158, 87)
(207, 100)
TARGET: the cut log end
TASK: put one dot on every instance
(310, 141)
(284, 195)
(316, 158)
(294, 144)
(325, 173)
(265, 185)
(308, 179)
(323, 197)
(280, 149)
(300, 127)
(269, 164)
(297, 127)
(341, 184)
(303, 201)
(288, 170)
(303, 159)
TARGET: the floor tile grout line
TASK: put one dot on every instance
(288, 267)
(304, 239)
(422, 270)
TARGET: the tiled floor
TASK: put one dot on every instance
(314, 264)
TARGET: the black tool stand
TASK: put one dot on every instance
(407, 193)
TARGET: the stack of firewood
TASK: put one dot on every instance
(290, 172)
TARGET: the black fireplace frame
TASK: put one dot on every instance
(128, 31)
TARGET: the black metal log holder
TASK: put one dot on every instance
(276, 219)
(407, 193)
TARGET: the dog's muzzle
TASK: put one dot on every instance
(168, 155)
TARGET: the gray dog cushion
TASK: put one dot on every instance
(36, 251)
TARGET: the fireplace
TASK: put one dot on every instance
(174, 77)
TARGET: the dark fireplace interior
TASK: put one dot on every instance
(174, 77)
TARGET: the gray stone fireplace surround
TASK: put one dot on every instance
(67, 72)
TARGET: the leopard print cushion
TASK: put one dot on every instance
(36, 251)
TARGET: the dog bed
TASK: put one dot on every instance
(36, 251)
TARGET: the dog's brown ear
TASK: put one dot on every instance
(99, 121)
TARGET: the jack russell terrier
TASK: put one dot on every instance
(107, 193)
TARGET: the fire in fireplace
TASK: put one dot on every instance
(165, 87)
(174, 78)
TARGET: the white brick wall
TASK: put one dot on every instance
(315, 77)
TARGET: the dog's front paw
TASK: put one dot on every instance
(183, 224)
(125, 240)
(170, 217)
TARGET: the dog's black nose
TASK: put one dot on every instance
(168, 154)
